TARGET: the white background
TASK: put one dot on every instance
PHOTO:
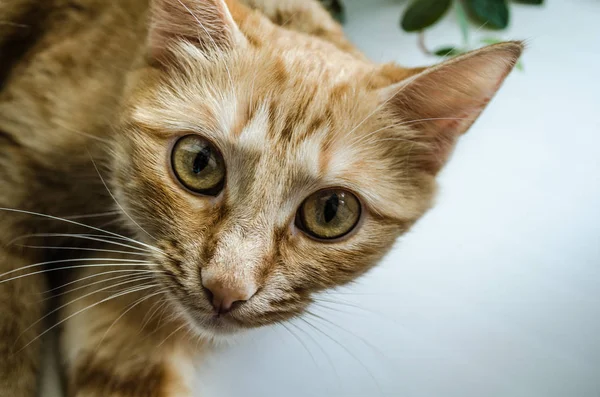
(496, 292)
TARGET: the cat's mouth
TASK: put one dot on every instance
(236, 321)
(207, 322)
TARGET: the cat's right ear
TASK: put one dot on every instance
(206, 24)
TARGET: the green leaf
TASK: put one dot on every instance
(532, 2)
(493, 13)
(421, 14)
(448, 51)
(491, 40)
(336, 9)
(461, 17)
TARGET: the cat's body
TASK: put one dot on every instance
(91, 92)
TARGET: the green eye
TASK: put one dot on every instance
(198, 165)
(329, 214)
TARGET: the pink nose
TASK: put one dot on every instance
(223, 297)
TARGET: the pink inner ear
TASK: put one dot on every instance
(446, 99)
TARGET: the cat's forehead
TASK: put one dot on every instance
(282, 133)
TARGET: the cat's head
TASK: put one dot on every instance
(268, 165)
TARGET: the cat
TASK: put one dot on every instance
(176, 171)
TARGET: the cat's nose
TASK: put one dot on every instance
(224, 297)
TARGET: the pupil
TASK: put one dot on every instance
(331, 207)
(201, 160)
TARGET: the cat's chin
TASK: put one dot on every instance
(214, 328)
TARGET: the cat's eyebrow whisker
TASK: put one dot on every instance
(114, 296)
(75, 267)
(130, 272)
(92, 237)
(313, 326)
(407, 122)
(85, 134)
(80, 224)
(115, 199)
(140, 278)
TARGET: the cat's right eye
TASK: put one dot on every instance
(198, 165)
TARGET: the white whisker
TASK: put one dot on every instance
(132, 272)
(70, 260)
(149, 275)
(334, 340)
(83, 297)
(171, 334)
(98, 215)
(304, 345)
(80, 224)
(145, 298)
(87, 308)
(76, 267)
(90, 237)
(115, 199)
(82, 249)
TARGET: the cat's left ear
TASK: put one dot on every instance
(206, 24)
(440, 103)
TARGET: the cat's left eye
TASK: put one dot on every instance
(198, 165)
(329, 214)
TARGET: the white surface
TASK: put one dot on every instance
(496, 292)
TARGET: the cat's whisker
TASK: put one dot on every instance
(348, 304)
(75, 267)
(91, 237)
(80, 224)
(363, 340)
(335, 341)
(148, 275)
(377, 109)
(316, 342)
(171, 334)
(17, 25)
(131, 272)
(80, 298)
(304, 345)
(364, 138)
(97, 215)
(131, 307)
(115, 199)
(114, 296)
(79, 132)
(81, 249)
(333, 309)
(158, 305)
(68, 261)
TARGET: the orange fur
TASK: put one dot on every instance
(292, 107)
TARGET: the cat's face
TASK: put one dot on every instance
(266, 174)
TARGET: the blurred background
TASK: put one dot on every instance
(496, 292)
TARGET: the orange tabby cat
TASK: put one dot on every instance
(184, 169)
